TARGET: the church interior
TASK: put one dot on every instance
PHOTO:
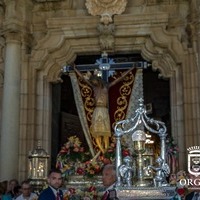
(145, 56)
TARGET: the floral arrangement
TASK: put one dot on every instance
(89, 168)
(109, 155)
(172, 147)
(71, 155)
(174, 180)
(74, 160)
(88, 193)
(172, 154)
(92, 168)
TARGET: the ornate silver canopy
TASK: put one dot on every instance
(135, 125)
(158, 188)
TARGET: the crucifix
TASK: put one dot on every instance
(104, 67)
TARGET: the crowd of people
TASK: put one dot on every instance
(12, 190)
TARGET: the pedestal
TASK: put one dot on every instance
(151, 193)
(77, 181)
(84, 187)
(38, 184)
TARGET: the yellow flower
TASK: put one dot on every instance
(66, 167)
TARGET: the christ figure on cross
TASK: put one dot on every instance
(100, 124)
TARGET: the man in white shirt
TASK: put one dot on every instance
(109, 179)
(26, 192)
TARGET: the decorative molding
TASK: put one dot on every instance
(161, 59)
(106, 9)
(106, 37)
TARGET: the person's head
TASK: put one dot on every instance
(17, 190)
(26, 188)
(108, 175)
(55, 178)
(3, 187)
(97, 81)
(12, 183)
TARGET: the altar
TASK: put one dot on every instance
(84, 184)
(133, 181)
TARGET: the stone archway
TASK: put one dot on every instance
(161, 48)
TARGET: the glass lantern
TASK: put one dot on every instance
(38, 167)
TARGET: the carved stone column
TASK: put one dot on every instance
(193, 28)
(11, 108)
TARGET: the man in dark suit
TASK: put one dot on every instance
(55, 182)
(194, 193)
(193, 196)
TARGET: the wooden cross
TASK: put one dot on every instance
(106, 66)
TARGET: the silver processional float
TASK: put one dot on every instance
(128, 187)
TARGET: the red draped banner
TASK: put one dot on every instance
(119, 96)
